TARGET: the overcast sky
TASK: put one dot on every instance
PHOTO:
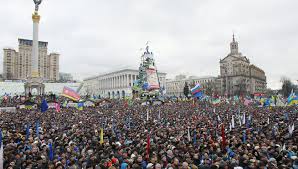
(187, 36)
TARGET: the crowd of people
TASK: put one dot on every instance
(174, 135)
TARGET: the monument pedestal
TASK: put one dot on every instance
(34, 83)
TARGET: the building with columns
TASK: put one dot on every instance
(116, 84)
(175, 87)
(238, 76)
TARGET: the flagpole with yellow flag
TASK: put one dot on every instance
(101, 136)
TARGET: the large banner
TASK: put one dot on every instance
(52, 105)
(71, 94)
(152, 79)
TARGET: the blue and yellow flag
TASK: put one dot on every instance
(80, 106)
(292, 99)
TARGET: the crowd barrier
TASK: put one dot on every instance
(8, 109)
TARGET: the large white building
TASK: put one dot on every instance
(115, 84)
(175, 87)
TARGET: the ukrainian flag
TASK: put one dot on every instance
(80, 106)
(292, 99)
(262, 101)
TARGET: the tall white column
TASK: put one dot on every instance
(119, 81)
(105, 83)
(123, 81)
(34, 60)
(112, 83)
(108, 82)
(99, 83)
(114, 79)
(126, 81)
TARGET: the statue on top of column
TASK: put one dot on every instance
(37, 3)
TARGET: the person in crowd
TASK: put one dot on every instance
(174, 135)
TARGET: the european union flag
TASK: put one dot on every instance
(44, 106)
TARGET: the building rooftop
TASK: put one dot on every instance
(256, 67)
(191, 78)
(9, 48)
(115, 72)
(29, 42)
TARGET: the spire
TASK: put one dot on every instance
(147, 47)
(234, 46)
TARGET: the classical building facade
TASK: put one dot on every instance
(175, 87)
(238, 76)
(17, 65)
(115, 84)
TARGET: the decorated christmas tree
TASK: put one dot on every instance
(147, 85)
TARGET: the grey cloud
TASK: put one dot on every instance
(188, 36)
